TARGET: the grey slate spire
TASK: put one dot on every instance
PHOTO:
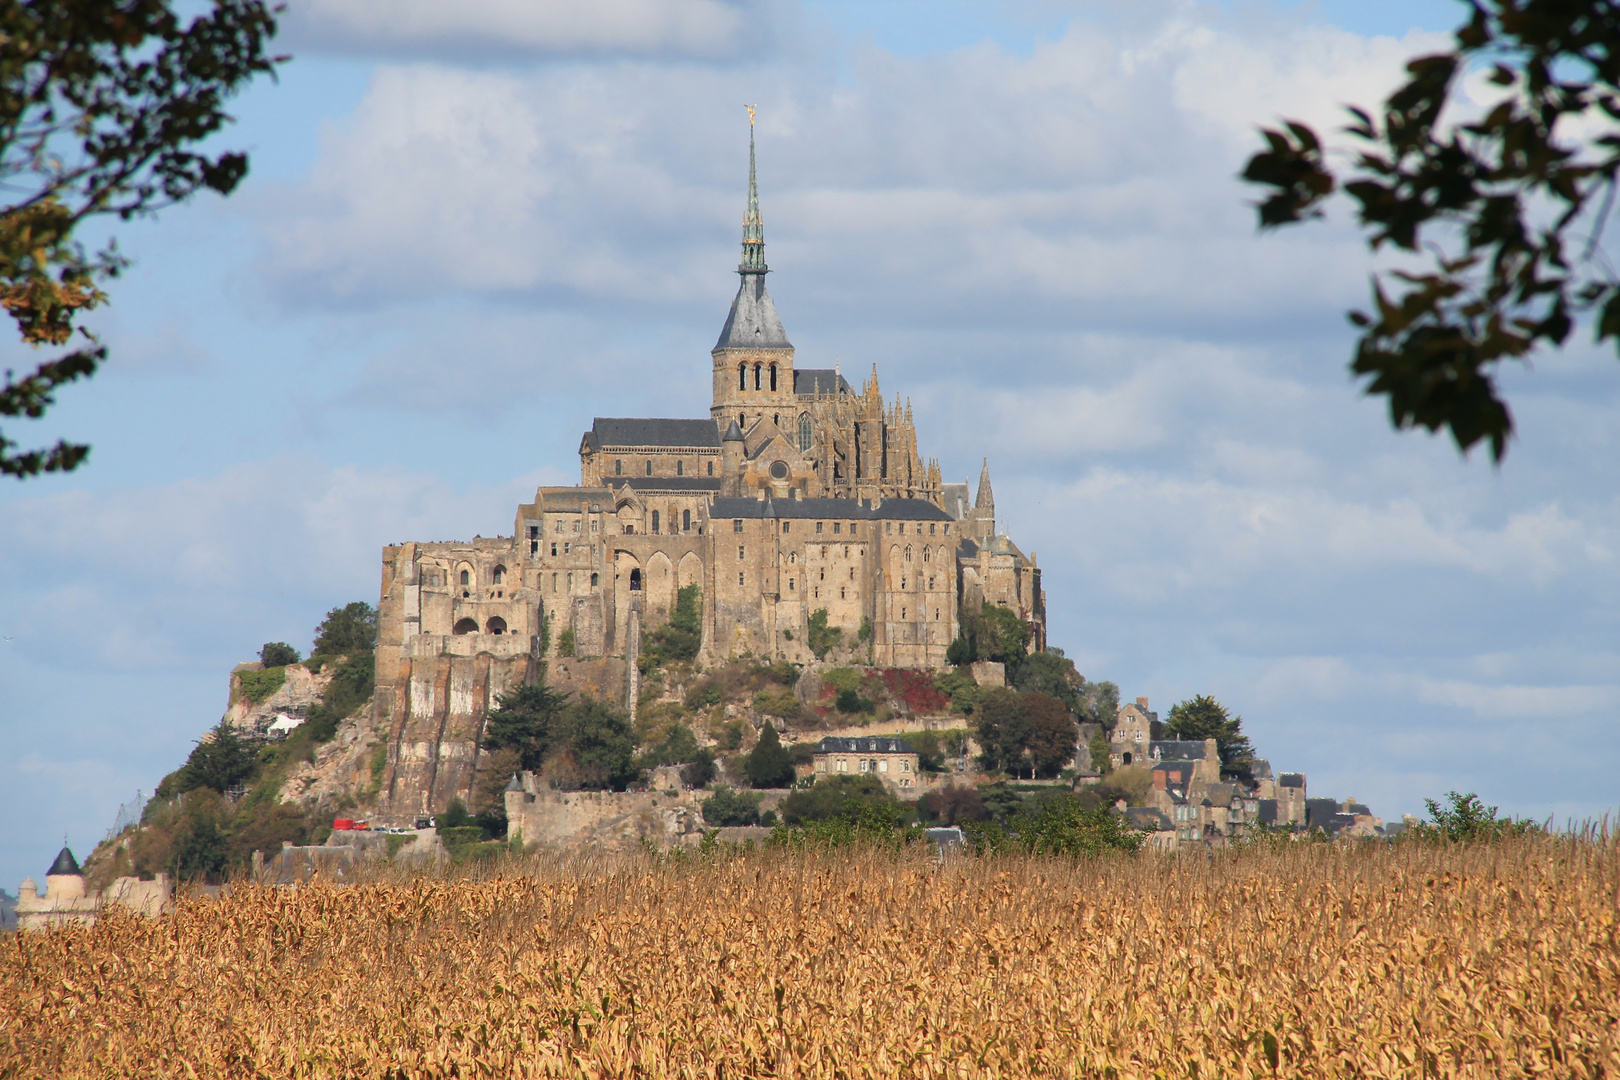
(65, 864)
(753, 322)
(986, 499)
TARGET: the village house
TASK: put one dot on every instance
(892, 761)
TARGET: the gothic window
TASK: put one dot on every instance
(927, 555)
(466, 577)
(742, 376)
(908, 553)
(805, 433)
(635, 580)
(655, 522)
(686, 521)
(773, 376)
(500, 575)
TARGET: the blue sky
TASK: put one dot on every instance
(470, 228)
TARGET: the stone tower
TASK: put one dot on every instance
(753, 360)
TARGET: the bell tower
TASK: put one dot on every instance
(753, 360)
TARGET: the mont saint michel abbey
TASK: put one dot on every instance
(797, 493)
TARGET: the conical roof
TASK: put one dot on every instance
(733, 433)
(65, 864)
(986, 499)
(753, 322)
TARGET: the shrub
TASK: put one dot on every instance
(351, 687)
(953, 805)
(680, 637)
(347, 630)
(819, 636)
(729, 807)
(565, 642)
(1466, 819)
(849, 701)
(278, 654)
(846, 797)
(1058, 826)
(782, 704)
(769, 765)
(255, 686)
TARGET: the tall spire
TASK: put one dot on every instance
(986, 499)
(753, 242)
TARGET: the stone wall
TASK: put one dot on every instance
(615, 821)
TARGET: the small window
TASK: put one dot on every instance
(710, 464)
(466, 578)
(635, 580)
(947, 530)
(902, 614)
(852, 573)
(500, 575)
(739, 577)
(787, 527)
(742, 551)
(902, 581)
(888, 526)
(649, 466)
(793, 557)
(554, 548)
(930, 530)
(618, 467)
(790, 585)
(680, 467)
(852, 528)
(930, 583)
(840, 592)
(596, 579)
(568, 548)
(596, 508)
(819, 524)
(655, 522)
(736, 524)
(686, 521)
(823, 573)
(534, 531)
(838, 526)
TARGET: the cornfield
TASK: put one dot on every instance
(1494, 960)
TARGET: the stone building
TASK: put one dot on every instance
(67, 902)
(892, 761)
(798, 494)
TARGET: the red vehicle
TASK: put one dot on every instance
(342, 823)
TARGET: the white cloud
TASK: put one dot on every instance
(693, 28)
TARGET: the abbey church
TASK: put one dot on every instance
(797, 494)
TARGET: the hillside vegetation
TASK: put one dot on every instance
(1304, 960)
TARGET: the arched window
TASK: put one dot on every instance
(742, 376)
(655, 521)
(649, 466)
(596, 579)
(466, 626)
(908, 553)
(773, 376)
(466, 577)
(635, 581)
(926, 555)
(686, 521)
(500, 575)
(497, 625)
(711, 468)
(805, 433)
(680, 467)
(759, 370)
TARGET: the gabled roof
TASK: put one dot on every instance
(1178, 750)
(608, 431)
(65, 864)
(819, 381)
(876, 745)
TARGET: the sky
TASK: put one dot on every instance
(471, 228)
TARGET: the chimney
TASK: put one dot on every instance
(1142, 703)
(1158, 779)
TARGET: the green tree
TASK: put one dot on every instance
(219, 761)
(1099, 704)
(200, 849)
(1057, 826)
(1003, 731)
(992, 633)
(952, 804)
(769, 765)
(1050, 672)
(1508, 209)
(278, 654)
(727, 807)
(819, 636)
(347, 630)
(1466, 818)
(102, 104)
(1053, 736)
(525, 720)
(1203, 717)
(1101, 761)
(930, 750)
(680, 637)
(841, 798)
(599, 740)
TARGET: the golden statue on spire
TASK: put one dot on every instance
(750, 109)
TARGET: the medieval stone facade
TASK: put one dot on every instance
(797, 495)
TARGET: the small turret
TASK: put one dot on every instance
(731, 462)
(64, 880)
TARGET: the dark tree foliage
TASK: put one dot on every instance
(200, 847)
(278, 654)
(219, 762)
(1003, 732)
(526, 720)
(727, 807)
(352, 684)
(819, 636)
(598, 740)
(347, 630)
(1099, 704)
(841, 797)
(679, 746)
(1508, 210)
(455, 816)
(696, 774)
(1203, 717)
(1057, 826)
(991, 633)
(769, 765)
(953, 805)
(1051, 673)
(1053, 735)
(851, 701)
(102, 104)
(930, 750)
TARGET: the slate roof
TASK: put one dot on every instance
(828, 509)
(1291, 779)
(819, 381)
(876, 745)
(1178, 750)
(673, 483)
(753, 322)
(65, 864)
(1147, 819)
(652, 431)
